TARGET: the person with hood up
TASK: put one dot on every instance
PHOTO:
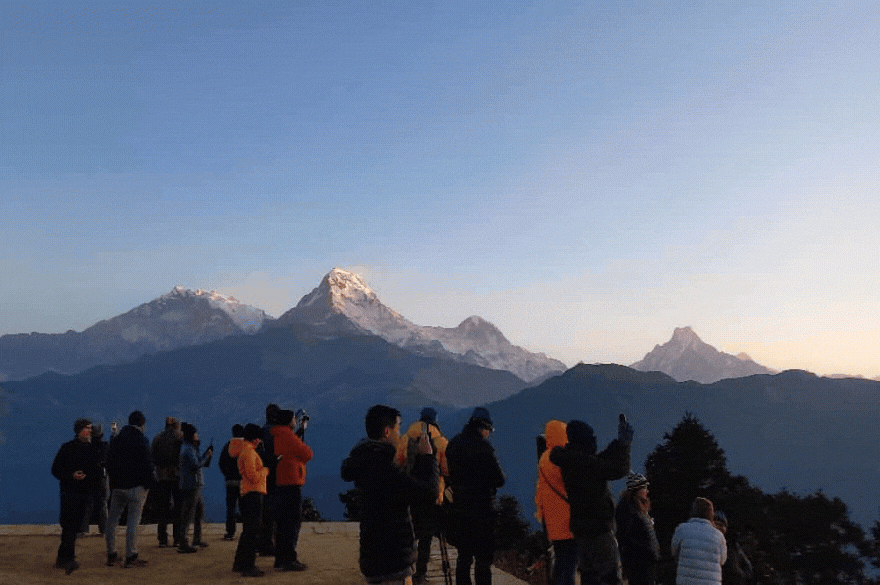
(553, 510)
(474, 477)
(699, 547)
(290, 476)
(387, 492)
(191, 484)
(229, 467)
(639, 550)
(426, 515)
(586, 474)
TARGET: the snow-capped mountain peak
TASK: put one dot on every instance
(248, 318)
(344, 304)
(687, 357)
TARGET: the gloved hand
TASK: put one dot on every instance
(624, 431)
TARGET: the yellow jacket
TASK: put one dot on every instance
(439, 442)
(550, 496)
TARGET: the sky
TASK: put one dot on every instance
(587, 176)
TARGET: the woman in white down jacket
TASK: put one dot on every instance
(699, 547)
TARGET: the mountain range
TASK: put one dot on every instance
(178, 319)
(342, 305)
(341, 350)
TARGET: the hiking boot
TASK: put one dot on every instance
(252, 572)
(134, 561)
(292, 566)
(112, 558)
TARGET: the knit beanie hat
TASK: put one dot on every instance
(636, 481)
(237, 430)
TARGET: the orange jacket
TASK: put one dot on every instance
(437, 440)
(550, 496)
(293, 455)
(253, 473)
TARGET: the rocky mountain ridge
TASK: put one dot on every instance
(343, 304)
(686, 357)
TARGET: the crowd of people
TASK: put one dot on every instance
(264, 469)
(414, 486)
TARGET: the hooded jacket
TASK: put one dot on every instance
(253, 472)
(386, 535)
(586, 475)
(293, 455)
(551, 499)
(438, 442)
(474, 472)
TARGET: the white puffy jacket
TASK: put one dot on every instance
(701, 550)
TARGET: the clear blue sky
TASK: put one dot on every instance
(585, 176)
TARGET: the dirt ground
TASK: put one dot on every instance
(330, 549)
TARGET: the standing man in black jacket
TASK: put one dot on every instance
(77, 467)
(586, 474)
(387, 543)
(474, 478)
(131, 476)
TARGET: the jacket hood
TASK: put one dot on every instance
(364, 458)
(235, 445)
(415, 430)
(554, 432)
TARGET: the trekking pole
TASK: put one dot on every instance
(444, 560)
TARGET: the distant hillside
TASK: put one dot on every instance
(686, 357)
(177, 319)
(791, 430)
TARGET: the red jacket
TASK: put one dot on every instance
(293, 455)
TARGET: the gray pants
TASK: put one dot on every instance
(599, 560)
(133, 499)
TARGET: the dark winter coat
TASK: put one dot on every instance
(386, 535)
(75, 456)
(586, 476)
(228, 464)
(128, 460)
(474, 472)
(639, 550)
